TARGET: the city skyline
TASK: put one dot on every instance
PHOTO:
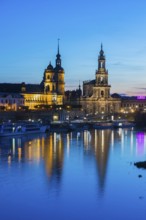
(29, 33)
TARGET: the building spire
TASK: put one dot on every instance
(101, 58)
(58, 59)
(58, 45)
(101, 51)
(79, 84)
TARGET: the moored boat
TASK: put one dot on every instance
(103, 125)
(122, 124)
(13, 129)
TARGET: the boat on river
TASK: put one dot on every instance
(113, 124)
(103, 125)
(122, 124)
(13, 129)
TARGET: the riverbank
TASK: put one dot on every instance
(140, 164)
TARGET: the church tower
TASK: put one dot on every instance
(101, 83)
(96, 98)
(59, 74)
(49, 83)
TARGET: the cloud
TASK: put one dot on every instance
(135, 93)
(117, 64)
(139, 88)
(123, 94)
(129, 66)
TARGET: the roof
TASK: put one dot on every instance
(134, 98)
(89, 82)
(12, 95)
(58, 69)
(50, 67)
(115, 95)
(33, 88)
(17, 88)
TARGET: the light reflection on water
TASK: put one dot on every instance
(78, 175)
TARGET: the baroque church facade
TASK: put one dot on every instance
(96, 97)
(36, 96)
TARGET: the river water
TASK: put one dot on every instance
(78, 175)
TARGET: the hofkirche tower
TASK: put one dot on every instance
(102, 89)
(96, 93)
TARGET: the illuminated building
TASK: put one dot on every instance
(11, 101)
(96, 93)
(133, 104)
(36, 96)
(94, 100)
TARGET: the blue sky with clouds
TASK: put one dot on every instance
(28, 40)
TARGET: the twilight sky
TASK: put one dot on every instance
(29, 30)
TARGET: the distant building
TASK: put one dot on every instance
(95, 99)
(11, 101)
(36, 96)
(73, 96)
(131, 104)
(96, 93)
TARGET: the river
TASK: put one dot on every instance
(78, 175)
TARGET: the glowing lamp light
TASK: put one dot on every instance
(55, 117)
(141, 97)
